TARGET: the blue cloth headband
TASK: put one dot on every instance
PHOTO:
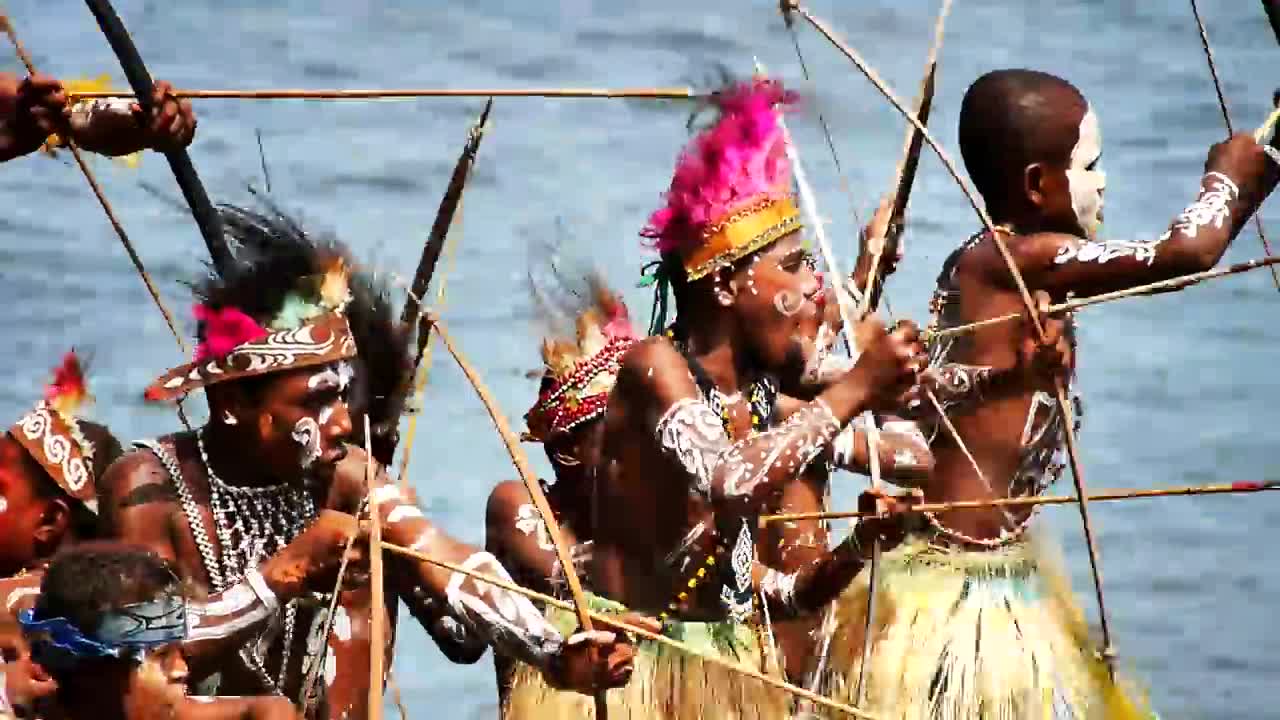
(128, 632)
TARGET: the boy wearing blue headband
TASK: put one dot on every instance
(109, 628)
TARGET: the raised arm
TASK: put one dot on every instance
(1238, 177)
(34, 108)
(738, 477)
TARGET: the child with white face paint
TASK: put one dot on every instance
(1031, 144)
(1084, 178)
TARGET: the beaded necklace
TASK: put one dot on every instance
(736, 592)
(250, 524)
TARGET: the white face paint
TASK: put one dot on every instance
(307, 434)
(333, 377)
(788, 303)
(1084, 179)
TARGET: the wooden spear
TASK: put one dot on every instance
(906, 175)
(1060, 390)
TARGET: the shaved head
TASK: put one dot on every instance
(1010, 119)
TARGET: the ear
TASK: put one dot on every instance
(55, 520)
(726, 288)
(1033, 184)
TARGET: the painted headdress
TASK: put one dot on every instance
(280, 306)
(581, 372)
(51, 434)
(731, 192)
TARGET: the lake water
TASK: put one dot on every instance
(1177, 388)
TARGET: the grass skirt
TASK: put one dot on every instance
(666, 684)
(961, 635)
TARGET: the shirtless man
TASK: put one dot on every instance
(693, 448)
(274, 357)
(35, 108)
(1032, 146)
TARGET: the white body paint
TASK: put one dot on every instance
(342, 624)
(4, 503)
(788, 303)
(306, 432)
(336, 376)
(529, 521)
(1086, 185)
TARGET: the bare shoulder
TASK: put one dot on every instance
(655, 370)
(1032, 253)
(504, 502)
(132, 474)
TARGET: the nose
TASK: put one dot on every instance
(339, 426)
(176, 669)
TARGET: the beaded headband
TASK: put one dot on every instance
(741, 234)
(50, 433)
(581, 373)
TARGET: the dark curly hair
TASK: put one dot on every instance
(86, 581)
(273, 254)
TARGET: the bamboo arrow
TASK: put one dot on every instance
(1155, 288)
(613, 622)
(656, 93)
(1235, 488)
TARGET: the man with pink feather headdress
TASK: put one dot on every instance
(693, 444)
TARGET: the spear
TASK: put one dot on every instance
(1155, 288)
(184, 172)
(1226, 117)
(1236, 488)
(909, 165)
(654, 93)
(1064, 406)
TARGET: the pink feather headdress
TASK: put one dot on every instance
(731, 191)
